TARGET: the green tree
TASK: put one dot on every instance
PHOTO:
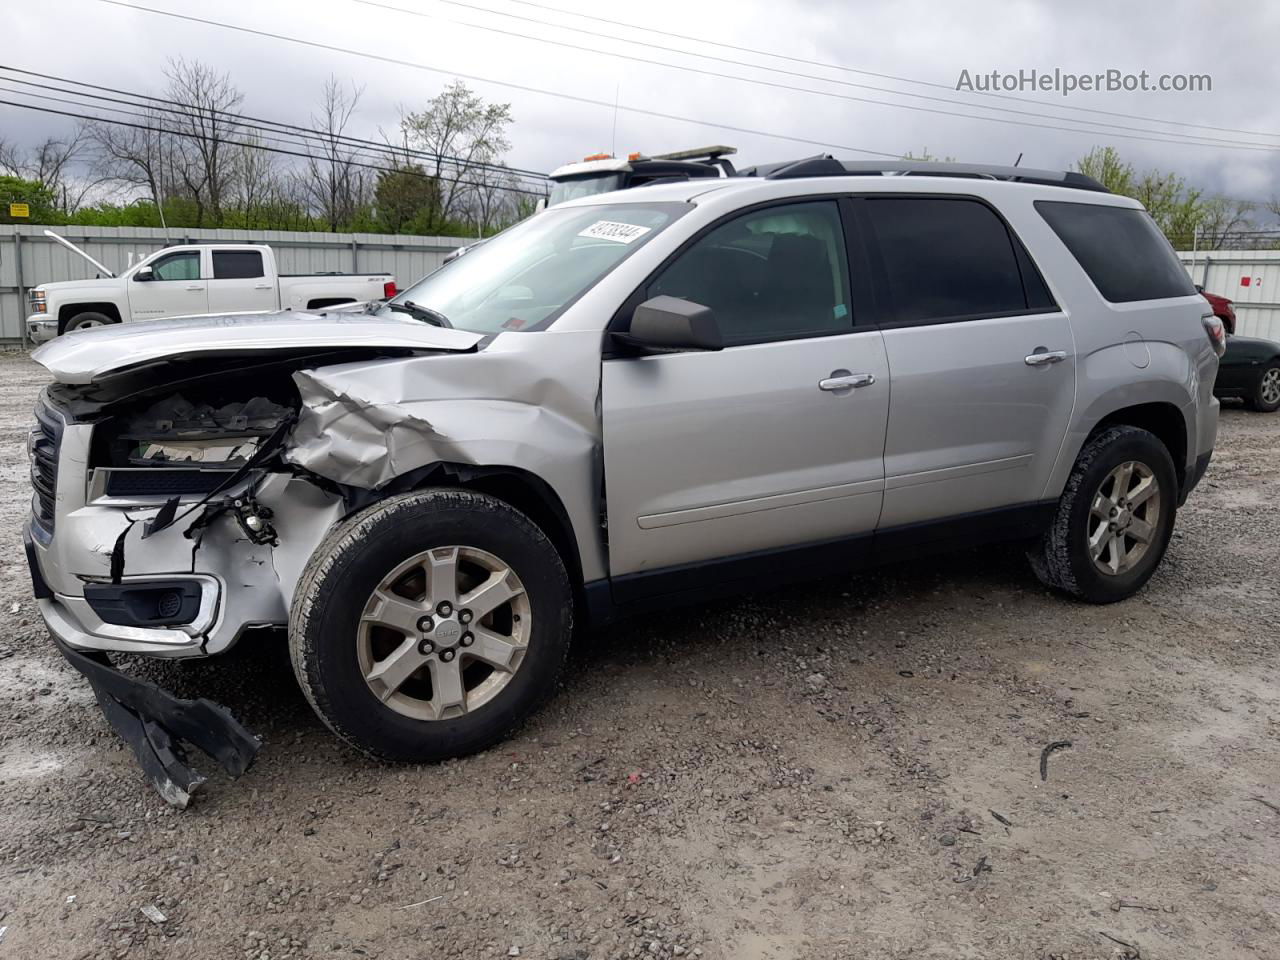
(34, 194)
(1105, 166)
(406, 200)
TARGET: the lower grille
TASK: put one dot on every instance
(46, 438)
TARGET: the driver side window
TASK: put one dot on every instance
(779, 273)
(177, 266)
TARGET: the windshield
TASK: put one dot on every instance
(585, 186)
(523, 278)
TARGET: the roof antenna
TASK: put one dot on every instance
(1018, 161)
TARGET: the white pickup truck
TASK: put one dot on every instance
(192, 280)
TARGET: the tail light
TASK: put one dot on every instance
(1216, 333)
(388, 290)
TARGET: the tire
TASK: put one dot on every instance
(1063, 559)
(87, 320)
(1265, 397)
(336, 642)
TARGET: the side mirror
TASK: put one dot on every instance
(144, 274)
(670, 325)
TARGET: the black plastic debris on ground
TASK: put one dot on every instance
(155, 723)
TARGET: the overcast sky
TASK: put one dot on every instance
(925, 41)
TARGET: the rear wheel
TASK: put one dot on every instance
(87, 320)
(430, 625)
(1114, 519)
(1266, 393)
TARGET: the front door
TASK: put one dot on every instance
(982, 360)
(174, 290)
(773, 442)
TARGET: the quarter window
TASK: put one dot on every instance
(237, 264)
(946, 259)
(1121, 249)
(772, 274)
(177, 266)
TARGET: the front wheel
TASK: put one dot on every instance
(430, 625)
(87, 321)
(1266, 394)
(1114, 519)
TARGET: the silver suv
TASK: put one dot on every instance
(637, 399)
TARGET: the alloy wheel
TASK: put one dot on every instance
(1124, 518)
(444, 632)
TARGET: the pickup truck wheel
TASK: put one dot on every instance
(83, 321)
(430, 625)
(1114, 519)
(1266, 394)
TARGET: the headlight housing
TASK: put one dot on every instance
(38, 302)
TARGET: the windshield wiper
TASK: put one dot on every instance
(419, 312)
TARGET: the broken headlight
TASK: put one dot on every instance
(178, 433)
(180, 447)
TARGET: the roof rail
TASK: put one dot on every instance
(824, 165)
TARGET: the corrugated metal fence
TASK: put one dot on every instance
(1251, 278)
(28, 257)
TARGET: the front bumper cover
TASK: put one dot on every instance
(41, 327)
(155, 723)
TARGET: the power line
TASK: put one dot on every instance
(383, 58)
(588, 100)
(253, 122)
(846, 69)
(951, 101)
(407, 171)
(339, 160)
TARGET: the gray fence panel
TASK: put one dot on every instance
(1249, 278)
(118, 248)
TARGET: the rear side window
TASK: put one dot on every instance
(237, 264)
(1121, 249)
(949, 259)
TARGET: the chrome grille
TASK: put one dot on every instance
(46, 438)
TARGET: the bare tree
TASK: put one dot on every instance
(490, 198)
(1222, 216)
(256, 183)
(53, 163)
(462, 134)
(137, 157)
(335, 185)
(204, 126)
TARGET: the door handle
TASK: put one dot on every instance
(196, 287)
(262, 286)
(842, 380)
(1043, 357)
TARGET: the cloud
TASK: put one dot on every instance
(908, 38)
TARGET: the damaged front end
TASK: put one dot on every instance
(166, 523)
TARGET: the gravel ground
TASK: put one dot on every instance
(846, 769)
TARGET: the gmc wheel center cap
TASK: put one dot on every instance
(447, 633)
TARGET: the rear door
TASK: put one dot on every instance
(764, 445)
(239, 282)
(982, 359)
(175, 288)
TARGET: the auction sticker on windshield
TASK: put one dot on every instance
(612, 230)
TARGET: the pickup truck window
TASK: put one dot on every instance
(177, 266)
(237, 264)
(526, 276)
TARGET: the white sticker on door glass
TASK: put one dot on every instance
(612, 230)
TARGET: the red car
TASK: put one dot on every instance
(1223, 308)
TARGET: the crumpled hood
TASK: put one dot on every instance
(86, 355)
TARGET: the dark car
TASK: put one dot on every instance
(1250, 369)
